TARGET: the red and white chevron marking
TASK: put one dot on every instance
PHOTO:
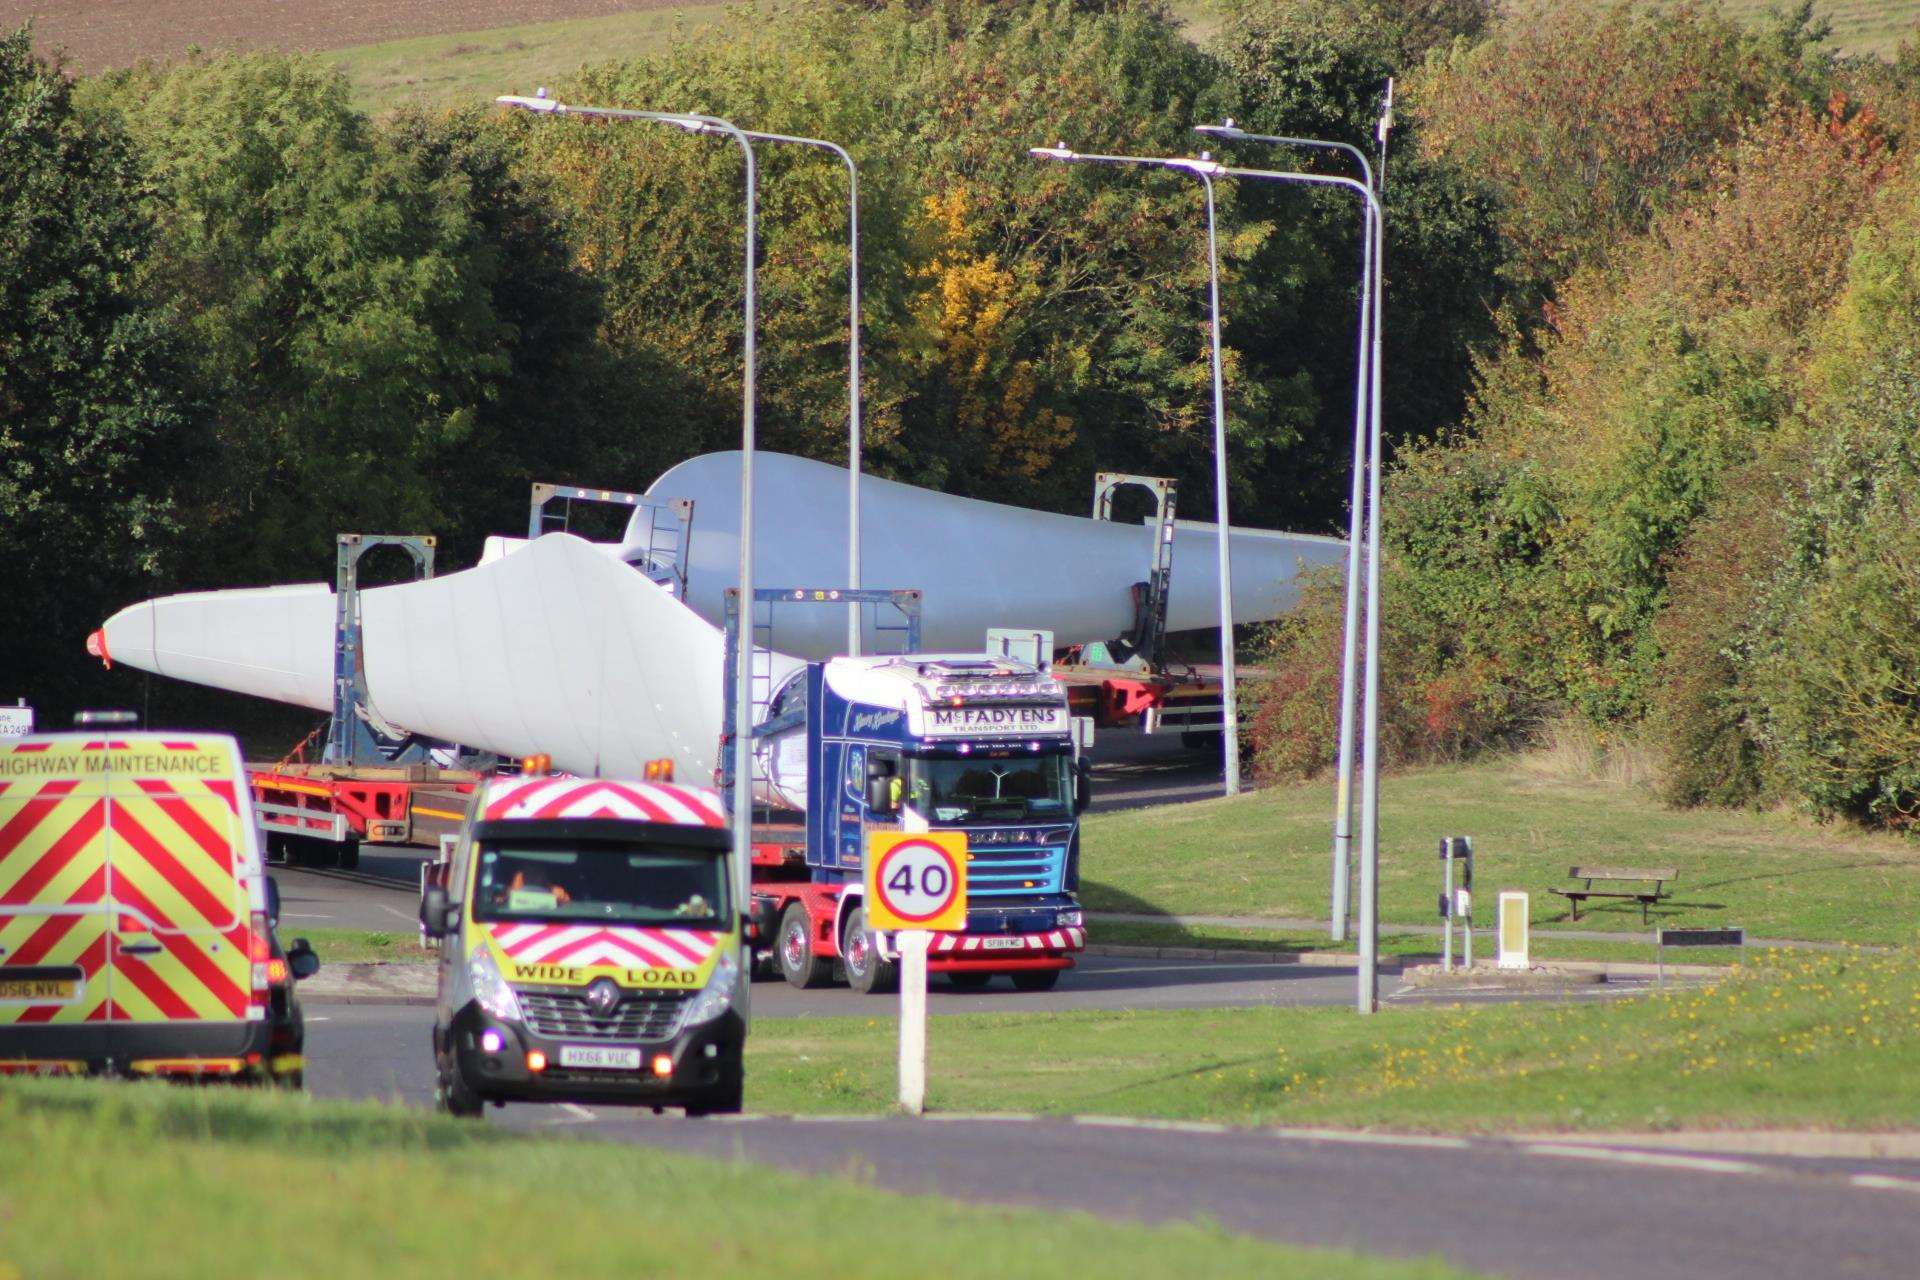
(585, 945)
(602, 798)
(1056, 940)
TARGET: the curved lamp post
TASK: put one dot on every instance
(853, 357)
(1204, 169)
(1365, 393)
(743, 683)
(1368, 997)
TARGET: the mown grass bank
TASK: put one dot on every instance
(1266, 854)
(1829, 1041)
(155, 1180)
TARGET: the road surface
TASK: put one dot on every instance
(1549, 1210)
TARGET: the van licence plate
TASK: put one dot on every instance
(1003, 944)
(37, 989)
(599, 1056)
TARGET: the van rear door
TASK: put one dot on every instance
(177, 854)
(54, 911)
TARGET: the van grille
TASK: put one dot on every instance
(636, 1017)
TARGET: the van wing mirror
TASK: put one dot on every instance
(302, 960)
(273, 901)
(758, 924)
(434, 912)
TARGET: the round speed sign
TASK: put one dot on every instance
(918, 882)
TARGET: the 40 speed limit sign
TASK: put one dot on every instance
(917, 880)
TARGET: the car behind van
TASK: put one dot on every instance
(136, 919)
(590, 948)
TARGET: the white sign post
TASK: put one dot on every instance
(1513, 930)
(913, 1019)
(916, 883)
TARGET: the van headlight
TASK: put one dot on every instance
(717, 996)
(490, 987)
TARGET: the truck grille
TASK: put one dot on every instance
(1015, 868)
(636, 1017)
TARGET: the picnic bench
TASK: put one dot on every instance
(1658, 877)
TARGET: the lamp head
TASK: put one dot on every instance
(1227, 129)
(538, 102)
(1059, 152)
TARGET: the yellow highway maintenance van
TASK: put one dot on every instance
(136, 918)
(590, 948)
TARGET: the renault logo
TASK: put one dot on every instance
(603, 997)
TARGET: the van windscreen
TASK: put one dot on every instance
(639, 883)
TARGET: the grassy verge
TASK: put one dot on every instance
(1826, 1041)
(468, 68)
(186, 1176)
(359, 946)
(1545, 946)
(1265, 854)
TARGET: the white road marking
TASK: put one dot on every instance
(834, 1119)
(395, 911)
(578, 1112)
(1372, 1139)
(1130, 1122)
(1660, 1159)
(1881, 1182)
(316, 1019)
(302, 915)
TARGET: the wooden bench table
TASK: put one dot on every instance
(1658, 877)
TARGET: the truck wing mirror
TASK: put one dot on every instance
(434, 912)
(1082, 785)
(880, 794)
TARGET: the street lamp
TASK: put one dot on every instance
(1204, 169)
(1368, 997)
(853, 357)
(1364, 395)
(743, 682)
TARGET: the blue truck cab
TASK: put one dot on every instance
(933, 742)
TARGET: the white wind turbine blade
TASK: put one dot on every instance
(981, 564)
(557, 647)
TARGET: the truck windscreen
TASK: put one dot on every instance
(986, 788)
(640, 883)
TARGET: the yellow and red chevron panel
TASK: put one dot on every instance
(142, 834)
(546, 798)
(53, 878)
(574, 954)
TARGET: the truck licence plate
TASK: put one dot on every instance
(1003, 944)
(599, 1056)
(37, 989)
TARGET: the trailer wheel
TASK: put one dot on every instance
(348, 855)
(1036, 980)
(799, 963)
(969, 979)
(867, 971)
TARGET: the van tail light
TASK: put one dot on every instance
(259, 951)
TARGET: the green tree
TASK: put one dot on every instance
(93, 424)
(1589, 119)
(335, 288)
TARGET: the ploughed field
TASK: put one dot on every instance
(97, 34)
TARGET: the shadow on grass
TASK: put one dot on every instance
(282, 1120)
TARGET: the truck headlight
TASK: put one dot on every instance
(717, 996)
(490, 987)
(1070, 919)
